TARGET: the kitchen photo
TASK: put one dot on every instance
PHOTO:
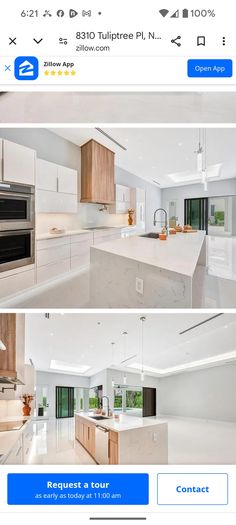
(120, 217)
(117, 388)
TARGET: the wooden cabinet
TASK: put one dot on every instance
(57, 188)
(12, 334)
(97, 173)
(113, 448)
(18, 163)
(85, 434)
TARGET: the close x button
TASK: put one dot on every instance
(206, 68)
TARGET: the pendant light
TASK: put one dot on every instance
(204, 170)
(112, 379)
(142, 320)
(200, 152)
(124, 375)
(2, 346)
(201, 158)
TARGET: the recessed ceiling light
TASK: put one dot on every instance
(51, 334)
(140, 157)
(226, 326)
(68, 367)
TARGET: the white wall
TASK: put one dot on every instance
(178, 194)
(207, 394)
(52, 380)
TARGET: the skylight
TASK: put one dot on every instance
(63, 366)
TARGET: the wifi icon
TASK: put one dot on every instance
(164, 12)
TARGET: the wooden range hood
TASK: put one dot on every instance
(97, 173)
(12, 360)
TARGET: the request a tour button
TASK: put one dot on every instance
(210, 68)
(192, 489)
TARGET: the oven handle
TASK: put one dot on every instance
(18, 195)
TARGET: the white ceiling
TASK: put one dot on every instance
(78, 339)
(154, 154)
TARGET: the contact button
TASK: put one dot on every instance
(210, 68)
(192, 489)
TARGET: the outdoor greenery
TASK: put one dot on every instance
(134, 399)
(218, 220)
(93, 402)
(118, 401)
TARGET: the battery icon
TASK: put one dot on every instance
(185, 13)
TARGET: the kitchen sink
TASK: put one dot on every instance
(151, 235)
(99, 418)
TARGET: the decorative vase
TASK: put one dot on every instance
(130, 217)
(26, 410)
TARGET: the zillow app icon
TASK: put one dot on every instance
(26, 68)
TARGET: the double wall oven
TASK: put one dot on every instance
(17, 225)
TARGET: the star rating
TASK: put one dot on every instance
(60, 73)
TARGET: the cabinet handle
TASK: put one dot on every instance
(88, 432)
(27, 451)
(57, 184)
(109, 445)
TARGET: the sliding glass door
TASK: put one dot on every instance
(65, 401)
(196, 213)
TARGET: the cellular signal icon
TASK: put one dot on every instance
(176, 14)
(164, 12)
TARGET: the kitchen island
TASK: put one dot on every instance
(129, 440)
(141, 272)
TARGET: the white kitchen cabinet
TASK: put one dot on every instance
(11, 283)
(51, 271)
(122, 193)
(53, 254)
(67, 180)
(56, 188)
(27, 441)
(138, 203)
(122, 199)
(53, 258)
(46, 175)
(18, 163)
(80, 250)
(55, 202)
(106, 235)
(15, 457)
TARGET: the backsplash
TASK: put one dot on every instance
(88, 215)
(10, 408)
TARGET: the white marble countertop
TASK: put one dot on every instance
(179, 253)
(124, 423)
(9, 438)
(48, 235)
